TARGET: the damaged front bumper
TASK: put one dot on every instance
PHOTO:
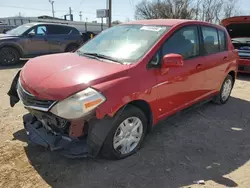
(72, 139)
(64, 145)
(88, 146)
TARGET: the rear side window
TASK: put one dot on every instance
(58, 30)
(211, 40)
(222, 40)
(184, 42)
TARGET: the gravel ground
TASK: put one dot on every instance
(209, 143)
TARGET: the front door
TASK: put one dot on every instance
(37, 44)
(178, 87)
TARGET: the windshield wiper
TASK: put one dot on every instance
(102, 57)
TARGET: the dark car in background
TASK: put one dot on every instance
(238, 28)
(35, 39)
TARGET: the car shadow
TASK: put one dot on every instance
(243, 76)
(205, 143)
(18, 65)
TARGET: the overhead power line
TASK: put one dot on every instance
(49, 10)
(20, 7)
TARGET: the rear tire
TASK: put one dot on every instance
(71, 48)
(9, 56)
(127, 134)
(225, 91)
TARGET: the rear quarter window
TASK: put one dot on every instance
(222, 40)
(74, 31)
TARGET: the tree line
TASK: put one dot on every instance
(205, 10)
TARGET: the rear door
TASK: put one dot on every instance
(58, 37)
(215, 57)
(178, 87)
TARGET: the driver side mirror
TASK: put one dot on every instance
(172, 60)
(31, 34)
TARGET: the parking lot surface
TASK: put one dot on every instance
(210, 143)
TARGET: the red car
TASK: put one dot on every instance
(239, 30)
(105, 97)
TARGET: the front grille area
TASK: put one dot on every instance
(31, 101)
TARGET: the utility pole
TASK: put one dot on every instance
(70, 14)
(80, 14)
(109, 7)
(52, 5)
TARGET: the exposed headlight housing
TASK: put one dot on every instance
(79, 104)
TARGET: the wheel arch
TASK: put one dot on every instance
(16, 47)
(144, 106)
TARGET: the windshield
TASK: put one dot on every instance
(125, 43)
(19, 30)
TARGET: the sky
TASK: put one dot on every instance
(122, 9)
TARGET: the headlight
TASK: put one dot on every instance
(79, 104)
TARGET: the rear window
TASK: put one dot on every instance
(211, 40)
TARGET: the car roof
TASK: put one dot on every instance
(170, 22)
(46, 23)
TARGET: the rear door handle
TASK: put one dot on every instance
(225, 58)
(199, 66)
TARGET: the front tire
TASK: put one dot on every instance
(127, 134)
(9, 56)
(225, 91)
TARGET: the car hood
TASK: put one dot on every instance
(237, 27)
(55, 77)
(6, 36)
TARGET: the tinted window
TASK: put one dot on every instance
(65, 30)
(211, 41)
(58, 30)
(184, 42)
(41, 30)
(74, 31)
(222, 40)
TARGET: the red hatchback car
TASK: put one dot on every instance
(239, 30)
(107, 95)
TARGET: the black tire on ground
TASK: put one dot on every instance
(71, 48)
(108, 151)
(9, 56)
(219, 99)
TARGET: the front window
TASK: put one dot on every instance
(184, 42)
(19, 30)
(126, 43)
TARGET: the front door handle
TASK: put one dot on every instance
(199, 66)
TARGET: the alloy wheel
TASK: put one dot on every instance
(128, 135)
